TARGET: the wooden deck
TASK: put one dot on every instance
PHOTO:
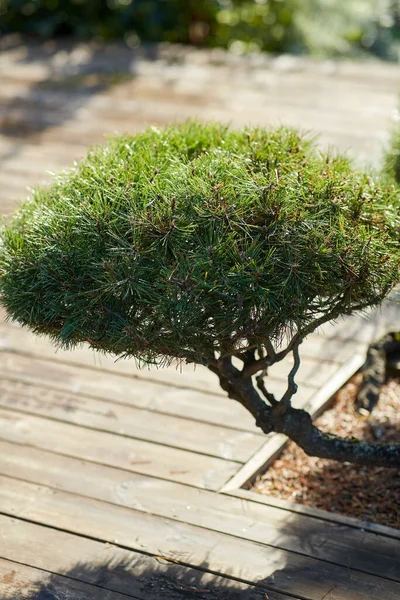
(118, 483)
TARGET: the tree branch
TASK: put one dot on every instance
(261, 386)
(298, 337)
(292, 385)
(297, 424)
(247, 356)
(270, 349)
(242, 391)
(262, 363)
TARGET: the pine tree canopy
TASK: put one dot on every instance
(196, 239)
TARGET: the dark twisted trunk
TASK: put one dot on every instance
(297, 424)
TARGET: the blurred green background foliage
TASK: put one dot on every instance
(317, 27)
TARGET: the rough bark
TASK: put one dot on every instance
(281, 417)
(298, 426)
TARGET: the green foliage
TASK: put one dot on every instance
(391, 168)
(354, 28)
(147, 20)
(195, 239)
(319, 27)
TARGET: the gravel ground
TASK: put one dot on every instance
(371, 494)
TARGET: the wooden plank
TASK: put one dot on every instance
(242, 518)
(370, 327)
(86, 119)
(313, 372)
(331, 349)
(140, 424)
(191, 77)
(272, 568)
(27, 152)
(91, 110)
(19, 582)
(72, 135)
(88, 124)
(114, 450)
(320, 400)
(140, 393)
(196, 82)
(32, 169)
(358, 328)
(8, 201)
(99, 122)
(66, 55)
(318, 371)
(17, 339)
(14, 338)
(326, 349)
(291, 87)
(317, 513)
(20, 184)
(91, 566)
(276, 443)
(130, 391)
(140, 96)
(265, 455)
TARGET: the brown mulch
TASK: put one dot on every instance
(368, 493)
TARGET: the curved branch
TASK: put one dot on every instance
(262, 363)
(292, 385)
(242, 391)
(298, 426)
(262, 387)
(247, 356)
(298, 337)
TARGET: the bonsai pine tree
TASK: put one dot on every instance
(202, 244)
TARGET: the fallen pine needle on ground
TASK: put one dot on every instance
(368, 493)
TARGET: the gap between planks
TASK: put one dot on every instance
(141, 392)
(80, 565)
(13, 338)
(316, 513)
(113, 450)
(236, 516)
(272, 568)
(130, 422)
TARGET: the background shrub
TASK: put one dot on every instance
(321, 27)
(391, 167)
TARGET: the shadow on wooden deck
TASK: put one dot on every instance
(87, 568)
(71, 75)
(144, 578)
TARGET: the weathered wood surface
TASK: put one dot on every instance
(108, 473)
(130, 422)
(317, 513)
(249, 520)
(63, 97)
(103, 568)
(268, 565)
